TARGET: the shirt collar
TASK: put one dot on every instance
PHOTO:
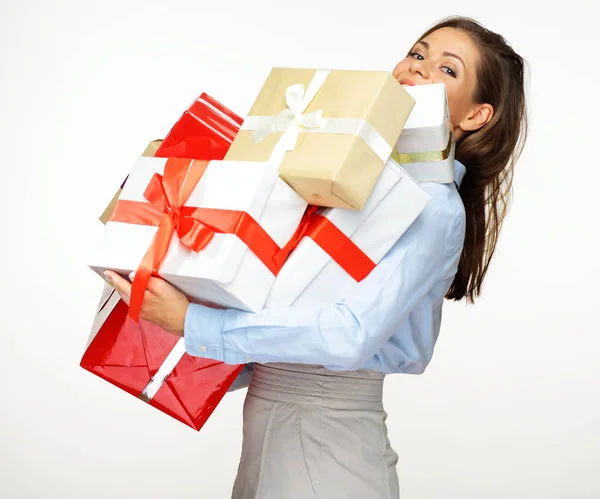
(459, 172)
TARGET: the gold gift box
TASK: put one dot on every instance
(150, 151)
(330, 169)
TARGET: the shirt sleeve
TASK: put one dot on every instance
(339, 335)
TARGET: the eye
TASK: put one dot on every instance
(416, 55)
(449, 71)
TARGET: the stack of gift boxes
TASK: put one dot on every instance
(291, 206)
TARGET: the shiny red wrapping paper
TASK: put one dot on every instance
(204, 131)
(127, 354)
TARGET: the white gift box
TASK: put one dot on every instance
(226, 272)
(426, 147)
(310, 275)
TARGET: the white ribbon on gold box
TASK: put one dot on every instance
(328, 132)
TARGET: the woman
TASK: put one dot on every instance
(314, 424)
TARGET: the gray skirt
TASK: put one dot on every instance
(313, 433)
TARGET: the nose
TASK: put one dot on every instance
(420, 68)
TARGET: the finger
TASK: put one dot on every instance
(153, 285)
(124, 297)
(123, 286)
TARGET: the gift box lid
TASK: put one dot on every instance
(226, 185)
(428, 126)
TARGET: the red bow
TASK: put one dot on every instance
(167, 195)
(195, 227)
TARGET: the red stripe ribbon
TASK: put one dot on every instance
(339, 247)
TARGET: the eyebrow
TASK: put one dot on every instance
(446, 54)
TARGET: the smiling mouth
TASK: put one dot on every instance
(408, 82)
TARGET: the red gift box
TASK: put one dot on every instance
(204, 131)
(141, 358)
(150, 363)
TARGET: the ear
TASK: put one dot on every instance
(479, 116)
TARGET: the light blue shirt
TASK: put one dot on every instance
(389, 321)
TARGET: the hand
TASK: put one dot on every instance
(163, 305)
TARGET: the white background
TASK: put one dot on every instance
(509, 407)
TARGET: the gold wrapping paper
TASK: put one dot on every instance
(334, 170)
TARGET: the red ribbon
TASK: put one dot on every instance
(195, 227)
(339, 247)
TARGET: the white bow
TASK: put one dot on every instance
(291, 120)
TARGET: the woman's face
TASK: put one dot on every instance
(448, 56)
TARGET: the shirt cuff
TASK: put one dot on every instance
(202, 332)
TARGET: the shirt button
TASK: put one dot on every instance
(203, 348)
(248, 359)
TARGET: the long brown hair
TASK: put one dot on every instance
(490, 153)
